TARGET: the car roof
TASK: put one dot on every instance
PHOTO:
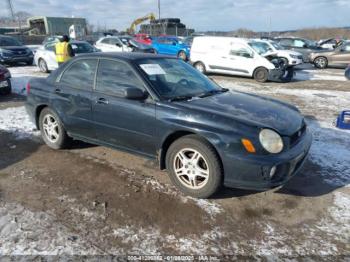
(126, 56)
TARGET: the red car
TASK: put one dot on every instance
(5, 83)
(143, 38)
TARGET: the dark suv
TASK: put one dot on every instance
(303, 46)
(13, 52)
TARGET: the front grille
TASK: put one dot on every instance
(297, 135)
(19, 52)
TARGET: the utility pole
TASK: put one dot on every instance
(158, 9)
(10, 7)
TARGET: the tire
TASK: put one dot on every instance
(261, 74)
(200, 67)
(43, 66)
(47, 117)
(285, 62)
(207, 164)
(182, 55)
(321, 62)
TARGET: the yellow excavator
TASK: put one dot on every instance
(131, 30)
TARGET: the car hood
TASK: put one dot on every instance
(250, 109)
(288, 52)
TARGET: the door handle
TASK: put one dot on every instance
(57, 90)
(224, 57)
(102, 101)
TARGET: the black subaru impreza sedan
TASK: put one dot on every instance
(160, 107)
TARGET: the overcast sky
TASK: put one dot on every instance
(201, 15)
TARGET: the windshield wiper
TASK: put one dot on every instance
(213, 92)
(180, 98)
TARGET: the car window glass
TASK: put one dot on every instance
(113, 77)
(114, 41)
(299, 43)
(286, 42)
(50, 46)
(80, 75)
(105, 41)
(240, 50)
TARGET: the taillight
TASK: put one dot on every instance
(28, 88)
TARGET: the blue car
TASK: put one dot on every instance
(171, 45)
(347, 72)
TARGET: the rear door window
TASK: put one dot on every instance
(113, 77)
(80, 75)
(286, 42)
(299, 43)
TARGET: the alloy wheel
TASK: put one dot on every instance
(191, 168)
(51, 129)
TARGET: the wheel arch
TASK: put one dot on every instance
(38, 111)
(171, 138)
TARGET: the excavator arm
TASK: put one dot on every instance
(132, 28)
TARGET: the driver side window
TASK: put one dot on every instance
(299, 43)
(240, 50)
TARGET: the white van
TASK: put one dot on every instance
(235, 56)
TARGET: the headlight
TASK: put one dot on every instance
(294, 56)
(271, 141)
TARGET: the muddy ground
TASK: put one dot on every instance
(91, 200)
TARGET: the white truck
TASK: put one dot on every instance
(237, 56)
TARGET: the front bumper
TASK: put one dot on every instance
(294, 62)
(281, 74)
(5, 86)
(253, 171)
(16, 59)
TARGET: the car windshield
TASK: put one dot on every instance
(7, 41)
(81, 48)
(260, 47)
(174, 79)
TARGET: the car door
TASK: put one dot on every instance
(120, 122)
(104, 45)
(72, 97)
(161, 45)
(237, 60)
(50, 56)
(341, 55)
(115, 45)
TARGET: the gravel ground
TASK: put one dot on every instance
(91, 200)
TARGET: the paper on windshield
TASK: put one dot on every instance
(153, 69)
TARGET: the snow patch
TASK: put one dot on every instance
(15, 120)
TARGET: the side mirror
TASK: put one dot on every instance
(134, 93)
(118, 44)
(174, 43)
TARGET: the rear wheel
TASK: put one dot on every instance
(261, 74)
(200, 67)
(182, 55)
(43, 66)
(321, 62)
(52, 130)
(194, 167)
